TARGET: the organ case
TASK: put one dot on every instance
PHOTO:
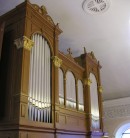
(45, 93)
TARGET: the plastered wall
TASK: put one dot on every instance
(116, 115)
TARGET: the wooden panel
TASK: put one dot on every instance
(71, 120)
(1, 36)
(9, 134)
(71, 136)
(40, 135)
(25, 71)
(62, 119)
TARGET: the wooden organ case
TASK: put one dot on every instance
(44, 93)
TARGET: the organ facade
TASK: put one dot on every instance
(45, 93)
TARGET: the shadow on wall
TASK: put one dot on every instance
(121, 129)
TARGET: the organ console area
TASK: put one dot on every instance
(43, 92)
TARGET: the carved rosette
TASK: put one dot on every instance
(57, 62)
(87, 81)
(100, 89)
(24, 42)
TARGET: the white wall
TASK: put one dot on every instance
(116, 115)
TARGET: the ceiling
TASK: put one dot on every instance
(106, 34)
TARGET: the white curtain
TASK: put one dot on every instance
(39, 107)
(61, 87)
(70, 90)
(80, 95)
(94, 102)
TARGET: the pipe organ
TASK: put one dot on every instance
(80, 96)
(45, 93)
(61, 87)
(70, 90)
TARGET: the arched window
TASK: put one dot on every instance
(80, 95)
(94, 102)
(123, 131)
(70, 90)
(126, 134)
(61, 87)
(39, 107)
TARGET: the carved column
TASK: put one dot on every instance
(100, 90)
(77, 102)
(87, 83)
(57, 63)
(1, 36)
(26, 45)
(65, 90)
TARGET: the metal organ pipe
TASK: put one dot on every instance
(70, 90)
(94, 102)
(80, 95)
(61, 87)
(39, 106)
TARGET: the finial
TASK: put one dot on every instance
(92, 54)
(69, 51)
(85, 50)
(27, 0)
(57, 25)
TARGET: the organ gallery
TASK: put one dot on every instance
(45, 93)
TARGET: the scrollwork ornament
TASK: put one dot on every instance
(57, 61)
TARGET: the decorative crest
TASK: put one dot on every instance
(42, 10)
(85, 50)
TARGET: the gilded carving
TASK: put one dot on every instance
(87, 81)
(100, 89)
(24, 42)
(57, 62)
(27, 43)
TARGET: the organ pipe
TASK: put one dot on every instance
(39, 107)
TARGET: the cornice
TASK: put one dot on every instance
(117, 111)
